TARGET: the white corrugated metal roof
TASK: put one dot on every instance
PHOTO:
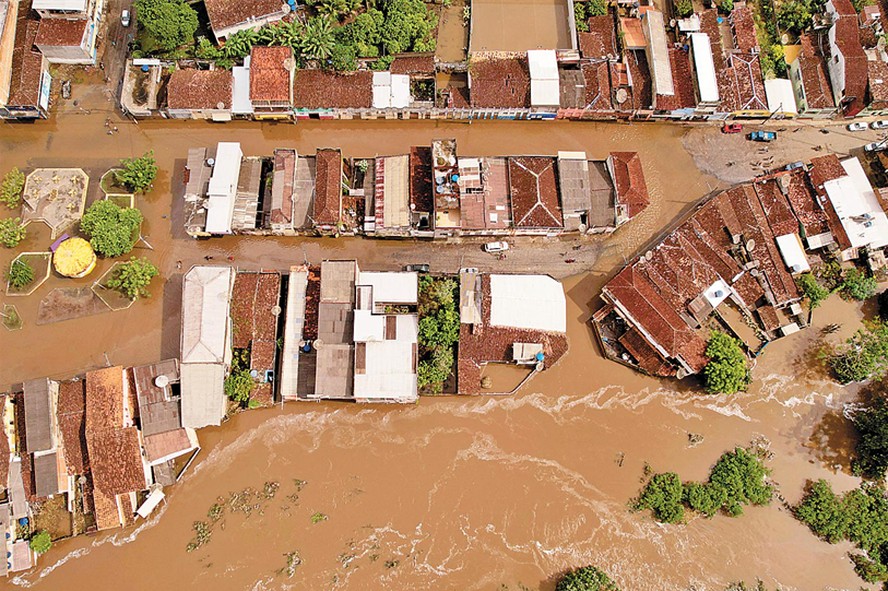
(67, 5)
(389, 372)
(543, 64)
(400, 91)
(203, 394)
(707, 86)
(205, 301)
(544, 84)
(295, 321)
(391, 287)
(781, 97)
(222, 190)
(857, 206)
(391, 90)
(717, 293)
(240, 94)
(658, 53)
(150, 503)
(790, 247)
(534, 302)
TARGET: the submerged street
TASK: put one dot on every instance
(454, 493)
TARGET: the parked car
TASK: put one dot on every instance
(125, 18)
(500, 246)
(732, 128)
(420, 268)
(875, 147)
(880, 124)
(857, 126)
(762, 136)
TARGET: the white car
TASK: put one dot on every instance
(880, 124)
(501, 246)
(874, 147)
(857, 126)
(125, 18)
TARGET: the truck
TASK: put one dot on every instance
(762, 136)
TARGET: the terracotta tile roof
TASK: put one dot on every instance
(601, 40)
(847, 40)
(777, 209)
(421, 196)
(106, 512)
(598, 87)
(72, 424)
(768, 317)
(226, 13)
(744, 73)
(58, 32)
(328, 187)
(648, 358)
(743, 27)
(683, 82)
(534, 192)
(284, 175)
(815, 78)
(629, 184)
(877, 74)
(270, 74)
(483, 343)
(641, 79)
(825, 168)
(503, 83)
(116, 460)
(801, 198)
(27, 64)
(161, 445)
(199, 89)
(318, 89)
(413, 63)
(104, 399)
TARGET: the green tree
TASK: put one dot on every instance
(169, 23)
(11, 232)
(863, 356)
(856, 285)
(663, 495)
(684, 8)
(580, 17)
(725, 6)
(859, 5)
(596, 8)
(432, 372)
(138, 173)
(206, 50)
(344, 59)
(318, 41)
(795, 16)
(111, 229)
(133, 278)
(727, 371)
(338, 9)
(20, 274)
(705, 497)
(823, 512)
(812, 289)
(240, 43)
(407, 22)
(239, 385)
(11, 190)
(586, 578)
(742, 476)
(872, 443)
(40, 542)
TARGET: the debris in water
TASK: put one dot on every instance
(318, 517)
(694, 439)
(202, 534)
(300, 484)
(392, 563)
(293, 562)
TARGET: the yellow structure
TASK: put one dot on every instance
(74, 258)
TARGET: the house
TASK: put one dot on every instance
(391, 91)
(271, 82)
(781, 97)
(66, 9)
(118, 469)
(545, 91)
(42, 437)
(847, 64)
(205, 344)
(223, 188)
(290, 376)
(502, 83)
(810, 79)
(292, 190)
(200, 94)
(630, 189)
(27, 96)
(319, 93)
(704, 72)
(517, 319)
(657, 53)
(227, 17)
(64, 41)
(334, 348)
(534, 194)
(391, 196)
(198, 171)
(327, 206)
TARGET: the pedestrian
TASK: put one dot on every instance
(208, 258)
(178, 264)
(230, 259)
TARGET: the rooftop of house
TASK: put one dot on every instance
(499, 83)
(116, 460)
(271, 74)
(39, 414)
(104, 399)
(413, 64)
(283, 186)
(629, 184)
(598, 86)
(877, 74)
(205, 300)
(815, 78)
(199, 89)
(684, 96)
(27, 63)
(227, 13)
(58, 32)
(328, 187)
(847, 39)
(743, 28)
(320, 89)
(534, 192)
(421, 197)
(167, 444)
(601, 40)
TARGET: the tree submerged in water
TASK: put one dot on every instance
(727, 371)
(586, 578)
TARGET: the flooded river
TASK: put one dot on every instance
(453, 493)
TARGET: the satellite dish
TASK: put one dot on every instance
(254, 374)
(285, 8)
(622, 95)
(750, 244)
(276, 310)
(220, 105)
(648, 255)
(211, 161)
(161, 381)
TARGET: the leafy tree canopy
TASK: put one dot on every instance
(812, 289)
(20, 274)
(138, 173)
(12, 187)
(238, 386)
(11, 232)
(872, 442)
(856, 285)
(170, 23)
(40, 542)
(587, 578)
(111, 228)
(863, 356)
(727, 371)
(132, 278)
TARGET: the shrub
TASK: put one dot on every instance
(823, 512)
(20, 274)
(704, 497)
(343, 58)
(137, 173)
(684, 8)
(856, 285)
(132, 278)
(111, 228)
(795, 16)
(11, 232)
(586, 578)
(438, 331)
(238, 386)
(742, 476)
(726, 372)
(863, 356)
(663, 495)
(40, 542)
(725, 6)
(169, 23)
(872, 442)
(812, 289)
(11, 190)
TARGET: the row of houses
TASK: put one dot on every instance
(352, 335)
(431, 192)
(731, 263)
(101, 447)
(35, 34)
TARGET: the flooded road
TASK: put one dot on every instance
(453, 493)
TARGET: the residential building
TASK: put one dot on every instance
(64, 41)
(200, 94)
(42, 437)
(847, 64)
(223, 188)
(327, 206)
(27, 97)
(271, 82)
(205, 344)
(810, 79)
(534, 195)
(227, 17)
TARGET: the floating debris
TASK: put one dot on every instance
(318, 517)
(202, 534)
(694, 439)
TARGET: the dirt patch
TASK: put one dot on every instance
(52, 516)
(67, 303)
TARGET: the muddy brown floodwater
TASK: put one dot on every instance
(452, 493)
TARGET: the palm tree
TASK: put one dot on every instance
(239, 44)
(317, 39)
